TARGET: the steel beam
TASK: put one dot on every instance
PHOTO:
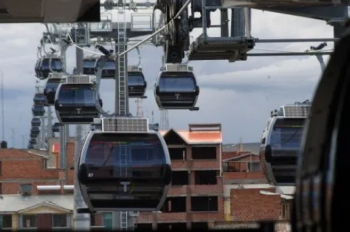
(290, 54)
(272, 3)
(295, 40)
(327, 13)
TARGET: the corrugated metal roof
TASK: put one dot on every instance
(288, 190)
(17, 202)
(198, 137)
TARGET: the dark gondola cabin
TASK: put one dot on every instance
(33, 141)
(281, 143)
(89, 66)
(56, 127)
(50, 64)
(176, 88)
(30, 146)
(136, 82)
(34, 132)
(33, 135)
(36, 121)
(40, 99)
(108, 71)
(38, 111)
(119, 171)
(76, 103)
(50, 89)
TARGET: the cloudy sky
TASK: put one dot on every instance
(238, 95)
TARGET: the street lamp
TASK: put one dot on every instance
(320, 57)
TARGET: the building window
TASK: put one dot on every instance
(29, 221)
(59, 220)
(0, 168)
(6, 222)
(0, 188)
(44, 163)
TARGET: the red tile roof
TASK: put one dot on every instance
(198, 137)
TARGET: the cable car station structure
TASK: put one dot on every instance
(173, 34)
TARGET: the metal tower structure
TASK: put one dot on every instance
(139, 110)
(122, 103)
(164, 120)
(41, 139)
(81, 221)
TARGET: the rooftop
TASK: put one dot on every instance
(252, 147)
(16, 202)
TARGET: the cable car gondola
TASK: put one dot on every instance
(50, 89)
(36, 121)
(38, 111)
(76, 104)
(281, 143)
(136, 82)
(44, 66)
(124, 171)
(32, 141)
(34, 132)
(89, 66)
(33, 135)
(176, 88)
(39, 99)
(108, 71)
(30, 146)
(56, 127)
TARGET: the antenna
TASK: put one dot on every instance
(23, 141)
(2, 107)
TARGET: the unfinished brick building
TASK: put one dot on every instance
(18, 167)
(196, 195)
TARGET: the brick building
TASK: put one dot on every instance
(22, 167)
(247, 195)
(209, 187)
(196, 195)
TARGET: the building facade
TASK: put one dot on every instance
(210, 188)
(195, 198)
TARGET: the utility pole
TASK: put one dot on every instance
(23, 141)
(2, 107)
(13, 138)
(81, 221)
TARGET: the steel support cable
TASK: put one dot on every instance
(142, 41)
